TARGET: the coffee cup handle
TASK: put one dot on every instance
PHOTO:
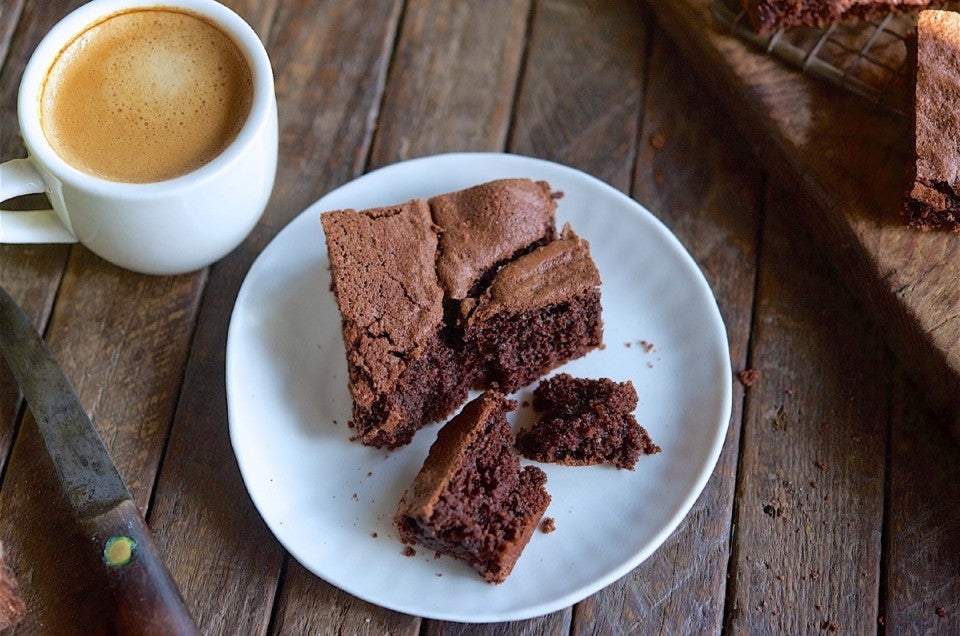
(17, 178)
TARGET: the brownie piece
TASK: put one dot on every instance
(402, 373)
(471, 500)
(470, 289)
(540, 311)
(483, 227)
(585, 422)
(766, 16)
(933, 198)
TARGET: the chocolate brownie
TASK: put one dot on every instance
(402, 373)
(585, 422)
(540, 311)
(469, 289)
(766, 16)
(471, 499)
(933, 198)
(486, 226)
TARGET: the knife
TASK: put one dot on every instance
(146, 599)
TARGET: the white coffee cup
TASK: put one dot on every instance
(177, 225)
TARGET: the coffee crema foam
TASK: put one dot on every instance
(146, 95)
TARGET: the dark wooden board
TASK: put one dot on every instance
(807, 528)
(847, 161)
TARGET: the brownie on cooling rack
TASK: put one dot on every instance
(766, 16)
(933, 198)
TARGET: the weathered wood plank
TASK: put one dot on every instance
(11, 19)
(921, 591)
(309, 605)
(715, 214)
(329, 82)
(122, 340)
(581, 92)
(452, 79)
(807, 524)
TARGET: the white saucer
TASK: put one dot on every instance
(330, 501)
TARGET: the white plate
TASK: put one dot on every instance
(330, 501)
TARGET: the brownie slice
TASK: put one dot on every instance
(483, 227)
(933, 198)
(402, 373)
(585, 422)
(471, 500)
(540, 311)
(470, 289)
(766, 16)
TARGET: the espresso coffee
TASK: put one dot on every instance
(146, 95)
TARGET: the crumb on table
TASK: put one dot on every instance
(748, 377)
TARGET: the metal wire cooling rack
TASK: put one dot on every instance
(866, 57)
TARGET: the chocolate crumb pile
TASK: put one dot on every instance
(585, 422)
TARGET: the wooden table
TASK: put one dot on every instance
(835, 506)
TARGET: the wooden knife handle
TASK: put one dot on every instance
(145, 597)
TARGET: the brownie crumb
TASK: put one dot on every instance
(658, 141)
(820, 465)
(585, 422)
(773, 511)
(408, 551)
(373, 534)
(829, 626)
(647, 346)
(548, 525)
(941, 612)
(748, 377)
(932, 199)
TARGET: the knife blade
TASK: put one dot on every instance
(145, 596)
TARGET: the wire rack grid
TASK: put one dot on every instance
(867, 57)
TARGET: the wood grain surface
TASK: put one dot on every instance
(835, 505)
